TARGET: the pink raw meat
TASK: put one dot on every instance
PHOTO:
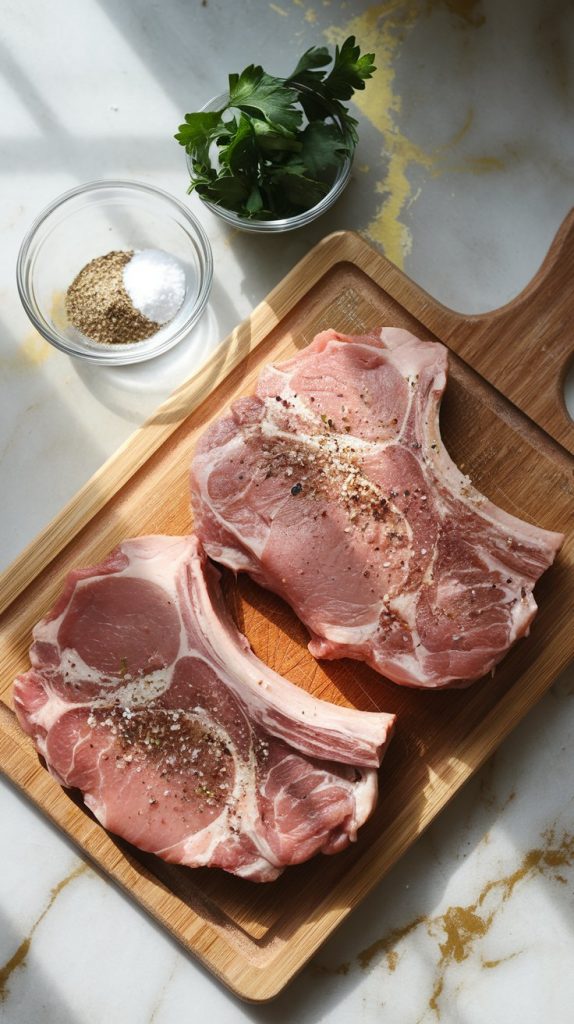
(143, 695)
(331, 487)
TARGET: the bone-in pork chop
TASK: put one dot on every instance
(143, 695)
(331, 486)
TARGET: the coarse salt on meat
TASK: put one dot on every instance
(143, 695)
(331, 486)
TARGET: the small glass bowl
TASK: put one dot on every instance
(92, 220)
(299, 220)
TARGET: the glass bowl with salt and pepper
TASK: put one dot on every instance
(115, 272)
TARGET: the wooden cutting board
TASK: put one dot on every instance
(256, 937)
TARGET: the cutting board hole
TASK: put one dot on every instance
(569, 389)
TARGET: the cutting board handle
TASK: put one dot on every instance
(525, 347)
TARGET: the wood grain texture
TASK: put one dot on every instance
(525, 348)
(255, 938)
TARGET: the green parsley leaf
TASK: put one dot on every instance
(300, 191)
(199, 129)
(315, 57)
(240, 154)
(255, 90)
(254, 202)
(323, 148)
(272, 139)
(197, 134)
(308, 81)
(349, 71)
(228, 190)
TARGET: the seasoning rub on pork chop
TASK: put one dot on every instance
(143, 695)
(331, 487)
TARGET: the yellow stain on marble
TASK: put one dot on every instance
(473, 165)
(311, 15)
(34, 349)
(279, 10)
(230, 235)
(483, 164)
(18, 959)
(383, 29)
(58, 313)
(464, 128)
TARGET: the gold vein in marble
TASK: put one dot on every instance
(465, 926)
(392, 960)
(459, 929)
(322, 969)
(159, 1002)
(487, 794)
(15, 961)
(18, 959)
(388, 942)
(489, 964)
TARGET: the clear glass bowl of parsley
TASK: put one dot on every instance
(272, 154)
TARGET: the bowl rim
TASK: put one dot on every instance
(132, 353)
(297, 220)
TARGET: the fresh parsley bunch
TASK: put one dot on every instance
(274, 149)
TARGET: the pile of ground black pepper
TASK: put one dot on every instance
(98, 305)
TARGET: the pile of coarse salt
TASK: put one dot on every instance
(155, 283)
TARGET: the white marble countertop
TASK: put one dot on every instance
(464, 172)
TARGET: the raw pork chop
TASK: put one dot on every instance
(332, 488)
(143, 695)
